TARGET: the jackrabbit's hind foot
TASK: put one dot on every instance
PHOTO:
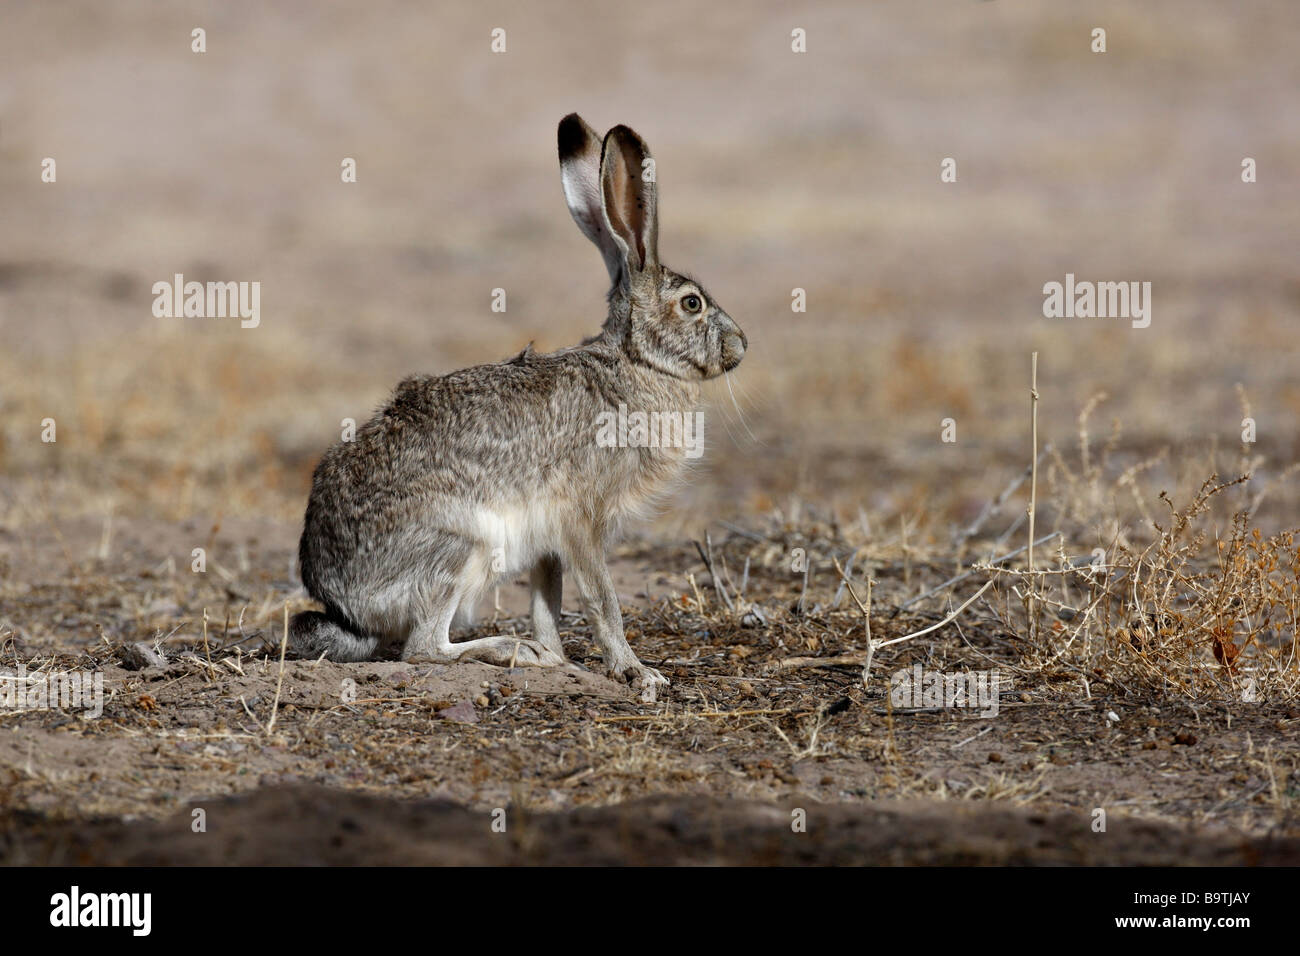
(502, 651)
(313, 634)
(512, 652)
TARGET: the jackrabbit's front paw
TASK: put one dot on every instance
(646, 680)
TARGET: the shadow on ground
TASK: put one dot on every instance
(265, 827)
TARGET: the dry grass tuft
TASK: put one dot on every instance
(1200, 602)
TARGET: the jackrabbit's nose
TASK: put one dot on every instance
(734, 345)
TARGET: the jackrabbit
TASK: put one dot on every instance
(464, 479)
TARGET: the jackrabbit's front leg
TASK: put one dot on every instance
(600, 604)
(430, 640)
(547, 583)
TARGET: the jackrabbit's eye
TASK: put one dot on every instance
(692, 303)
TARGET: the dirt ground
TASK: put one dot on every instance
(413, 760)
(1127, 731)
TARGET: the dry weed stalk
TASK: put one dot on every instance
(1194, 611)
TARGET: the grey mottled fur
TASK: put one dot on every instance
(466, 478)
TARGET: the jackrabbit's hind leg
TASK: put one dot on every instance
(430, 635)
(312, 634)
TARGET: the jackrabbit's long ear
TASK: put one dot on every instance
(627, 182)
(580, 175)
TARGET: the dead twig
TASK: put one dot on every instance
(706, 555)
(279, 683)
(979, 566)
(994, 507)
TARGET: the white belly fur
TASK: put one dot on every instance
(513, 539)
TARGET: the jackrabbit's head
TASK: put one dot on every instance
(660, 318)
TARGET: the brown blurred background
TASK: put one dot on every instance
(777, 170)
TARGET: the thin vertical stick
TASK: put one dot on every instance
(1033, 487)
(866, 614)
(279, 683)
(871, 644)
(907, 555)
(207, 654)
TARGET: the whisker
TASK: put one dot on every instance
(736, 405)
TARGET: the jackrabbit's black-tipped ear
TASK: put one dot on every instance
(580, 176)
(627, 182)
